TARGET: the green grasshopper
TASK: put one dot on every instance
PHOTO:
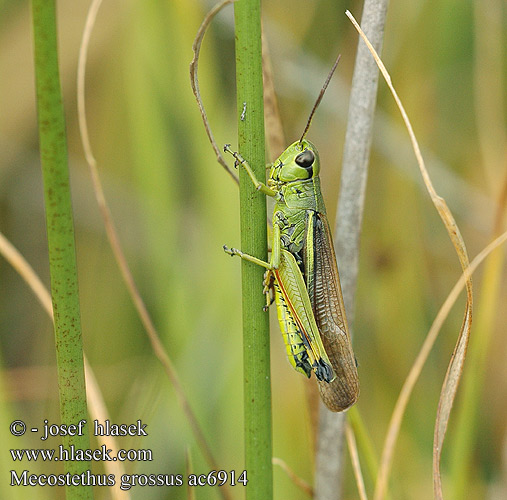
(303, 274)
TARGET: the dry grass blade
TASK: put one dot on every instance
(300, 483)
(354, 458)
(98, 410)
(96, 404)
(347, 234)
(18, 262)
(274, 129)
(194, 82)
(455, 368)
(112, 235)
(415, 371)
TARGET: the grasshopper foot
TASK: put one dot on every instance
(266, 307)
(232, 251)
(237, 157)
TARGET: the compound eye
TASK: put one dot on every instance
(305, 159)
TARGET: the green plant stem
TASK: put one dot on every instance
(364, 442)
(60, 232)
(257, 383)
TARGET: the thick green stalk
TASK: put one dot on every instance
(257, 385)
(60, 231)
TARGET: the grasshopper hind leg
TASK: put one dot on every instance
(303, 364)
(294, 343)
(296, 353)
(269, 288)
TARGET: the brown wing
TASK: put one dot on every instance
(324, 289)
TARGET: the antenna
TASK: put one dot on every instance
(321, 95)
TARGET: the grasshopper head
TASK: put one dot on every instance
(299, 162)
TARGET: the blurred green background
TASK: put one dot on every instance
(175, 207)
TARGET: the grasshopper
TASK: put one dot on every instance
(303, 274)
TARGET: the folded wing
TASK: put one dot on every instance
(324, 290)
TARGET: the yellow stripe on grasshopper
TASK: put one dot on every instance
(299, 324)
